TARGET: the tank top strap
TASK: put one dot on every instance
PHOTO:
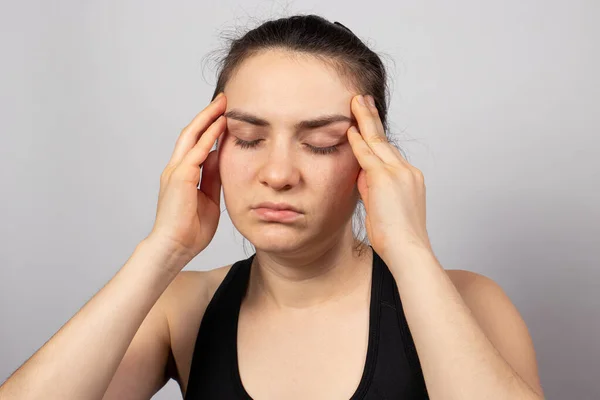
(211, 371)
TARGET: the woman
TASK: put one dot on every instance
(315, 313)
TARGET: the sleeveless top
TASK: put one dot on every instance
(391, 371)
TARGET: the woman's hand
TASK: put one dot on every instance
(187, 217)
(392, 190)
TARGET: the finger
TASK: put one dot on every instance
(364, 154)
(194, 130)
(399, 154)
(371, 129)
(197, 155)
(210, 184)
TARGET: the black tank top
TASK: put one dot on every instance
(391, 371)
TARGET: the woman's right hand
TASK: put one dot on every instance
(187, 217)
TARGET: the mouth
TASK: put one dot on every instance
(269, 214)
(276, 212)
(277, 206)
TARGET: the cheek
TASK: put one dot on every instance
(234, 175)
(340, 177)
(347, 169)
(233, 166)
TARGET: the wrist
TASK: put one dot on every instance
(408, 256)
(164, 254)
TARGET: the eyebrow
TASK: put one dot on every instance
(318, 122)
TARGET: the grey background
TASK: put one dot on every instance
(496, 102)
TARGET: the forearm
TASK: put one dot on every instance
(458, 360)
(78, 362)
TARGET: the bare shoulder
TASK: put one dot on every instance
(478, 291)
(464, 279)
(501, 321)
(215, 277)
(191, 291)
(474, 287)
(184, 303)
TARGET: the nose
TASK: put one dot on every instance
(279, 170)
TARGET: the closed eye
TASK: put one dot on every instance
(316, 150)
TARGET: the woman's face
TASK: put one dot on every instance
(267, 99)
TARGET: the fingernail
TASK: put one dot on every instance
(217, 96)
(371, 100)
(361, 99)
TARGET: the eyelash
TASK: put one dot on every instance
(317, 150)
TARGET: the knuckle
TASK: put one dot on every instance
(418, 174)
(177, 173)
(167, 173)
(378, 139)
(406, 174)
(163, 177)
(185, 174)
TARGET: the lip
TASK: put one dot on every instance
(277, 206)
(269, 214)
(277, 212)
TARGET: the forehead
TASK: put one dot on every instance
(281, 84)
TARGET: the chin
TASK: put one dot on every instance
(275, 238)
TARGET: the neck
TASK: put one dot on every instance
(310, 279)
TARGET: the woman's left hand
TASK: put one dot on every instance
(392, 190)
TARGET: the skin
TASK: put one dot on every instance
(471, 340)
